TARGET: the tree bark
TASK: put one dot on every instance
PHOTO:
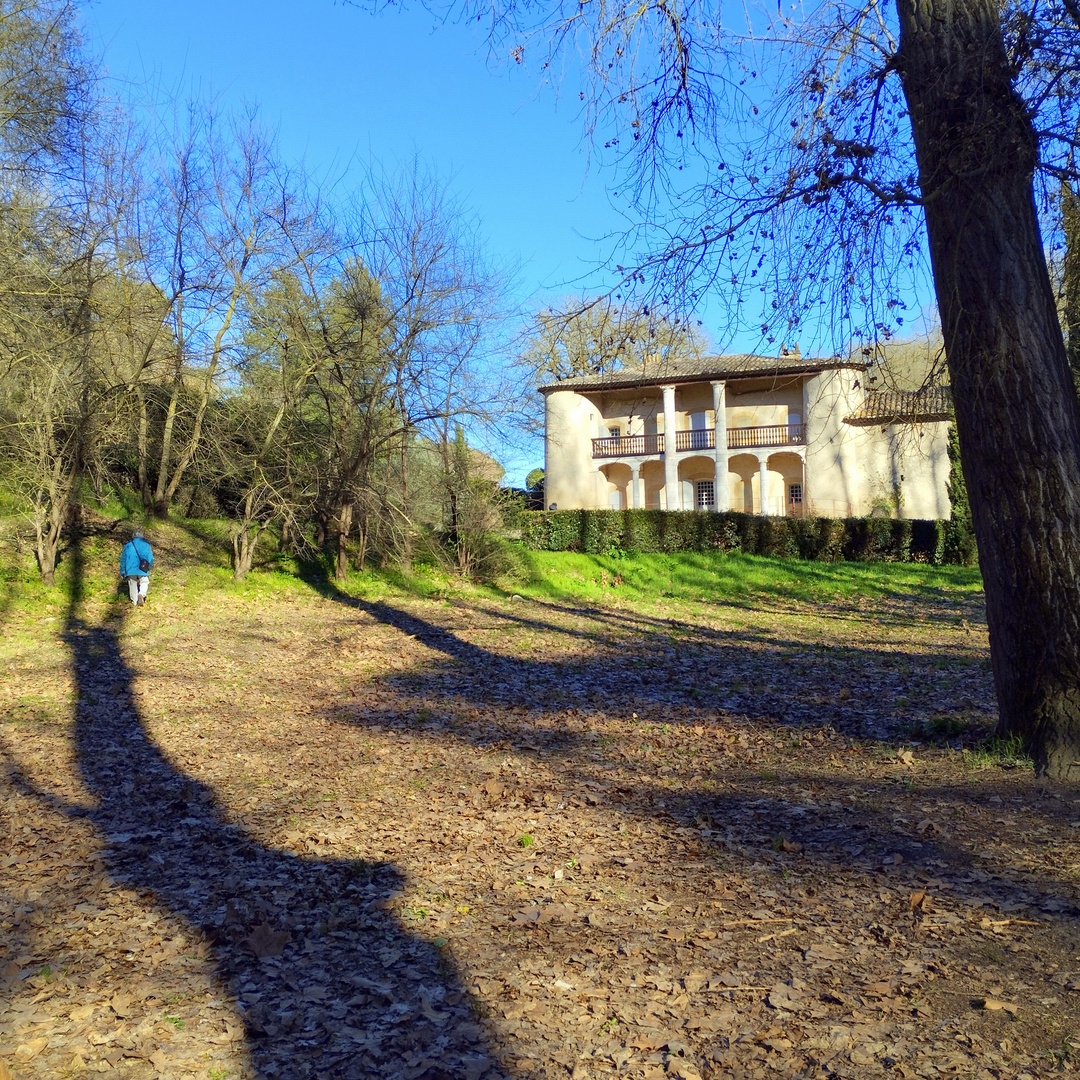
(143, 437)
(160, 506)
(1017, 415)
(1070, 221)
(344, 526)
(245, 539)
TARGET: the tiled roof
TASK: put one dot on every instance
(658, 372)
(903, 406)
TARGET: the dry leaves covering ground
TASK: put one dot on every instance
(310, 836)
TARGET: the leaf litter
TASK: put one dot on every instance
(481, 839)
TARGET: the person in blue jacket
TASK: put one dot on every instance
(136, 558)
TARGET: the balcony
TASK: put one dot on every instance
(745, 438)
(740, 438)
(628, 445)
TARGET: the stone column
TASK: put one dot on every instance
(721, 485)
(763, 484)
(635, 491)
(671, 464)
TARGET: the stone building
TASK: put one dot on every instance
(760, 434)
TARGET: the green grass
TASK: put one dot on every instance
(561, 575)
(193, 565)
(1002, 751)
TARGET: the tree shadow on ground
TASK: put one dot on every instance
(640, 660)
(846, 823)
(327, 983)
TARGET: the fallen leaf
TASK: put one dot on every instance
(996, 1005)
(30, 1049)
(784, 996)
(824, 951)
(264, 941)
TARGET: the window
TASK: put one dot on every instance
(794, 494)
(615, 431)
(706, 495)
(699, 431)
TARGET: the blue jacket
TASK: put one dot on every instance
(133, 551)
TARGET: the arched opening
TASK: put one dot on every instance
(786, 480)
(743, 478)
(652, 480)
(620, 496)
(697, 476)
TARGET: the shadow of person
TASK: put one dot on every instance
(325, 980)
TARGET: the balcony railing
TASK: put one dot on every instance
(628, 445)
(740, 438)
(698, 439)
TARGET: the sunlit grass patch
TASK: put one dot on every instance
(696, 577)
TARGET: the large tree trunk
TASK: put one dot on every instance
(1070, 273)
(1017, 414)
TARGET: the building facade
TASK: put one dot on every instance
(763, 435)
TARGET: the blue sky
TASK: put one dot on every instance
(345, 87)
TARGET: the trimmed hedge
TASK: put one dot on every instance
(602, 532)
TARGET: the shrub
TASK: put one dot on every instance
(870, 539)
(959, 538)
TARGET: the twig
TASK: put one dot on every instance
(752, 922)
(782, 933)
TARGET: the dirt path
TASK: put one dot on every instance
(314, 837)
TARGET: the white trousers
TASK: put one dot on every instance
(137, 587)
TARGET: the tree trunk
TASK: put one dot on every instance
(49, 518)
(46, 545)
(344, 526)
(1017, 415)
(1070, 221)
(161, 505)
(245, 539)
(145, 493)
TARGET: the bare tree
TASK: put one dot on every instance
(591, 336)
(46, 89)
(436, 302)
(212, 224)
(56, 397)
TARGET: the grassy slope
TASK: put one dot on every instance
(193, 560)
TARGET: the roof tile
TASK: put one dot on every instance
(696, 368)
